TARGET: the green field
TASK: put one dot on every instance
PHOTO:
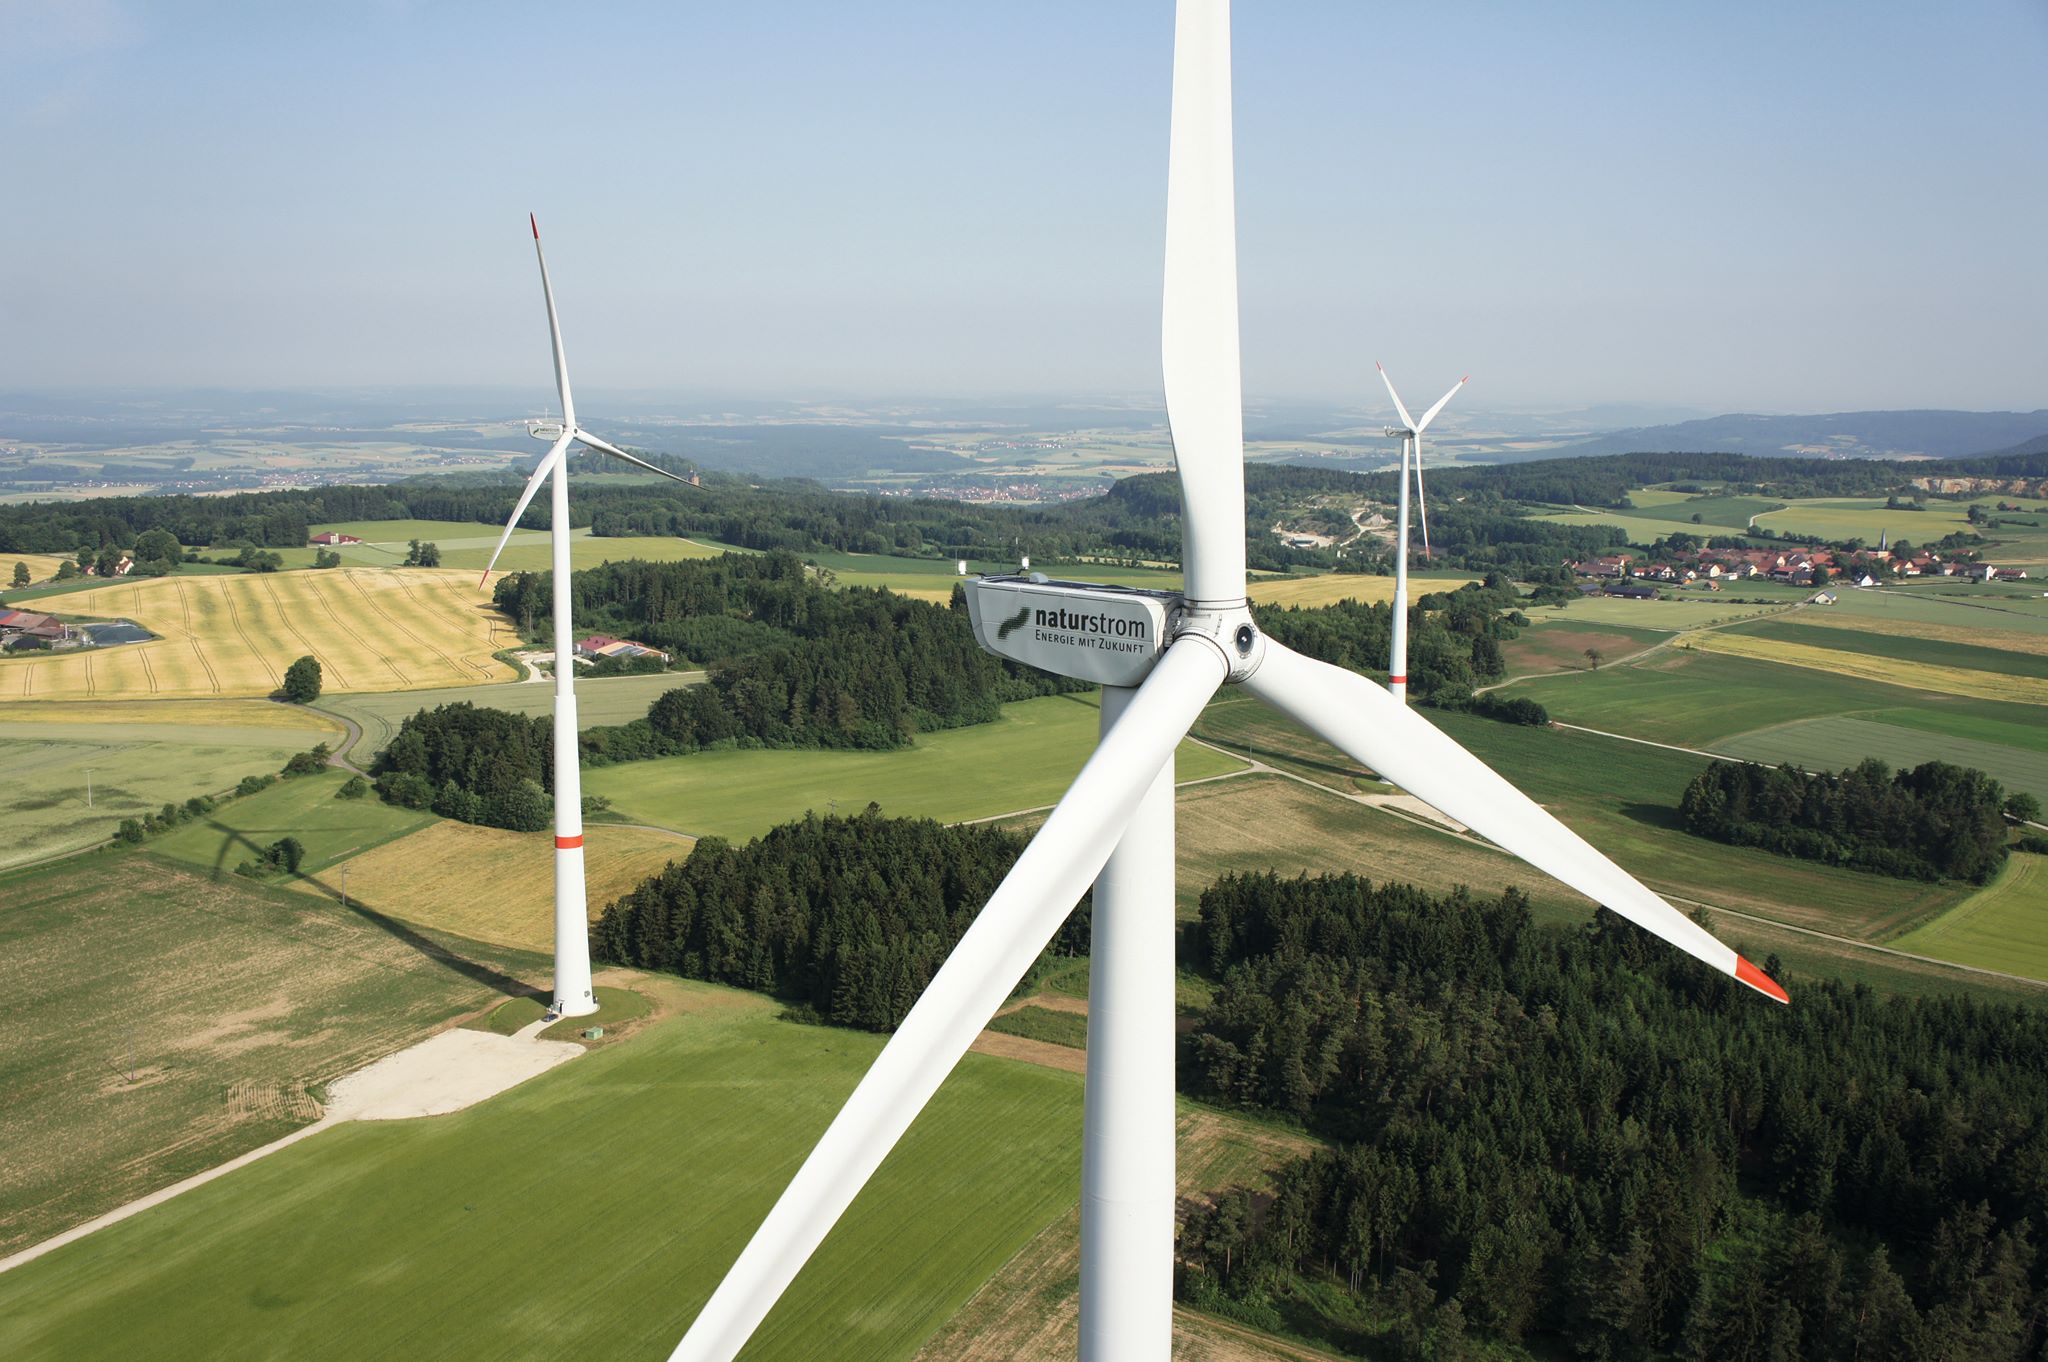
(1693, 610)
(1559, 643)
(1838, 742)
(1696, 699)
(468, 544)
(1680, 507)
(1983, 657)
(603, 700)
(1023, 760)
(1640, 529)
(303, 807)
(1948, 602)
(2003, 926)
(159, 1023)
(136, 768)
(1867, 517)
(588, 1212)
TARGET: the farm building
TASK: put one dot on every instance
(1631, 593)
(330, 538)
(25, 628)
(603, 645)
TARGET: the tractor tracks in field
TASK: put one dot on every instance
(235, 616)
(285, 618)
(192, 637)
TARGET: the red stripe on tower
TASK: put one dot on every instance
(1401, 680)
(568, 843)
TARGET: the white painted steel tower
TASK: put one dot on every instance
(573, 995)
(1409, 432)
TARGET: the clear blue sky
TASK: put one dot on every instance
(1737, 205)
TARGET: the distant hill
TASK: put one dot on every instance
(1851, 434)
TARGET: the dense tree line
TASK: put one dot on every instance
(1933, 822)
(1454, 642)
(847, 917)
(793, 662)
(1585, 1142)
(483, 766)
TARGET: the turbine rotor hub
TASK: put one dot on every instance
(1229, 628)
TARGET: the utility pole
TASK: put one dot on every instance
(88, 787)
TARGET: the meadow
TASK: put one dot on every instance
(1956, 677)
(488, 884)
(1953, 648)
(1559, 643)
(1867, 518)
(599, 700)
(160, 1023)
(138, 756)
(1838, 742)
(1695, 698)
(304, 807)
(234, 635)
(1025, 759)
(587, 1212)
(2003, 926)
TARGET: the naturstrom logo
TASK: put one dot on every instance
(1013, 623)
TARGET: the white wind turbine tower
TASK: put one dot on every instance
(1160, 657)
(1410, 434)
(573, 996)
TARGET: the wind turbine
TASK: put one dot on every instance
(1160, 657)
(1410, 434)
(573, 996)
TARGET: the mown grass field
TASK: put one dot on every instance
(588, 1212)
(488, 884)
(1840, 741)
(141, 755)
(1560, 644)
(1695, 698)
(304, 807)
(1973, 608)
(160, 1023)
(2003, 926)
(235, 635)
(1640, 529)
(1023, 760)
(603, 700)
(1695, 610)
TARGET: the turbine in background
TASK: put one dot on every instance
(573, 996)
(1159, 656)
(1410, 433)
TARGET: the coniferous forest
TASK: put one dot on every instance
(846, 917)
(1584, 1140)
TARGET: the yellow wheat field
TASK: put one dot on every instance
(41, 567)
(373, 629)
(1344, 586)
(491, 885)
(2030, 690)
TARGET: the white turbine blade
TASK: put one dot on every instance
(540, 475)
(554, 331)
(1421, 501)
(1025, 911)
(1199, 341)
(1441, 403)
(603, 447)
(1406, 419)
(1352, 714)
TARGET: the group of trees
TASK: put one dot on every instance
(1454, 642)
(1584, 1137)
(845, 917)
(475, 765)
(1933, 822)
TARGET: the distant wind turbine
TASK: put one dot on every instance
(573, 996)
(1410, 434)
(1160, 656)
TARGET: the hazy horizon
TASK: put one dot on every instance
(1828, 210)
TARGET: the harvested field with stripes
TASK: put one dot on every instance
(372, 630)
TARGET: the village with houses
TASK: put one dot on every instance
(1684, 563)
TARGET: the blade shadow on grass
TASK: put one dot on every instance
(404, 933)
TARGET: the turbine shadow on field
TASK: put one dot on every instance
(405, 934)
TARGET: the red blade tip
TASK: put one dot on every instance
(535, 224)
(481, 580)
(1758, 980)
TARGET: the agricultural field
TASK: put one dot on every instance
(304, 807)
(600, 700)
(1641, 529)
(1696, 610)
(468, 544)
(138, 756)
(1840, 741)
(491, 885)
(160, 1023)
(1679, 508)
(41, 568)
(1695, 698)
(1025, 759)
(1560, 644)
(932, 579)
(551, 1221)
(1867, 517)
(1837, 662)
(1348, 586)
(234, 635)
(2000, 652)
(2003, 926)
(1960, 605)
